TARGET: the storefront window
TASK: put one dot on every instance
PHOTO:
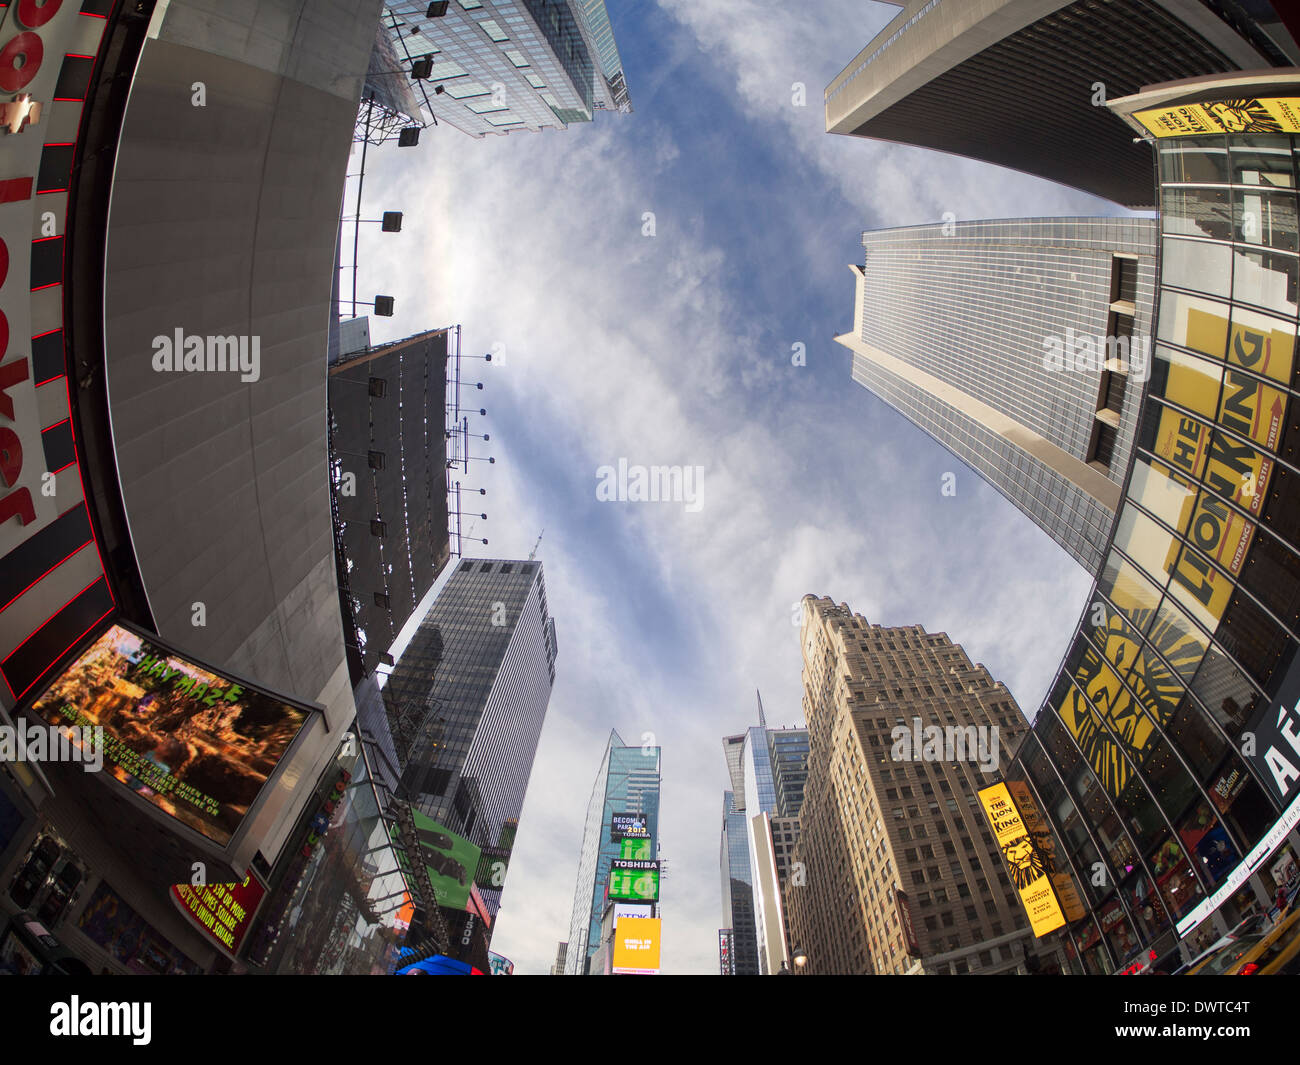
(1197, 265)
(1261, 217)
(1194, 322)
(1145, 542)
(1174, 877)
(1182, 643)
(1197, 212)
(1224, 691)
(1204, 837)
(1264, 278)
(1263, 161)
(1195, 159)
(1173, 787)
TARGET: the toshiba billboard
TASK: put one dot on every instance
(53, 588)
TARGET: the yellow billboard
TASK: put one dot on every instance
(1270, 114)
(1066, 892)
(1024, 861)
(636, 945)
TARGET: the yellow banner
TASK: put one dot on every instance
(1024, 862)
(1062, 882)
(1243, 115)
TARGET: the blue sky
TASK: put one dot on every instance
(675, 349)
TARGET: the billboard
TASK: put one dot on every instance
(222, 912)
(726, 961)
(625, 826)
(188, 740)
(1253, 114)
(633, 909)
(631, 849)
(636, 946)
(634, 881)
(1024, 862)
(450, 859)
(500, 965)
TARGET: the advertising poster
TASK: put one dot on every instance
(450, 859)
(1242, 115)
(1024, 863)
(636, 946)
(634, 881)
(195, 744)
(128, 937)
(625, 826)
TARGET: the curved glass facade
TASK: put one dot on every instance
(1164, 755)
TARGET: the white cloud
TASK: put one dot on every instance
(620, 345)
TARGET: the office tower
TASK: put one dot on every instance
(627, 783)
(1020, 345)
(1023, 83)
(737, 890)
(388, 459)
(509, 65)
(557, 966)
(903, 872)
(467, 699)
(768, 768)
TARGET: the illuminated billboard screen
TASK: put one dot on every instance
(1024, 862)
(634, 881)
(190, 741)
(636, 946)
(628, 826)
(631, 849)
(450, 859)
(222, 912)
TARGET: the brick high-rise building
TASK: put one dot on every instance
(887, 842)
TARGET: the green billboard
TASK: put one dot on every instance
(634, 881)
(634, 850)
(451, 861)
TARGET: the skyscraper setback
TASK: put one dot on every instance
(903, 873)
(467, 699)
(1020, 345)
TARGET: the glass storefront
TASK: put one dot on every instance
(1190, 637)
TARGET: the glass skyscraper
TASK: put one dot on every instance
(467, 699)
(628, 782)
(737, 889)
(768, 768)
(1022, 346)
(507, 65)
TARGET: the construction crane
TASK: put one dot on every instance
(533, 554)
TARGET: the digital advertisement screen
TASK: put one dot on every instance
(636, 946)
(634, 881)
(192, 742)
(222, 912)
(450, 859)
(628, 826)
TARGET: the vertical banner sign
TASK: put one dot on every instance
(1024, 863)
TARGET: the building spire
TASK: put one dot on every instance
(762, 719)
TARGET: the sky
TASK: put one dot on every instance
(675, 345)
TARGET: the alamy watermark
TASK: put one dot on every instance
(1084, 351)
(30, 742)
(211, 354)
(950, 743)
(651, 484)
